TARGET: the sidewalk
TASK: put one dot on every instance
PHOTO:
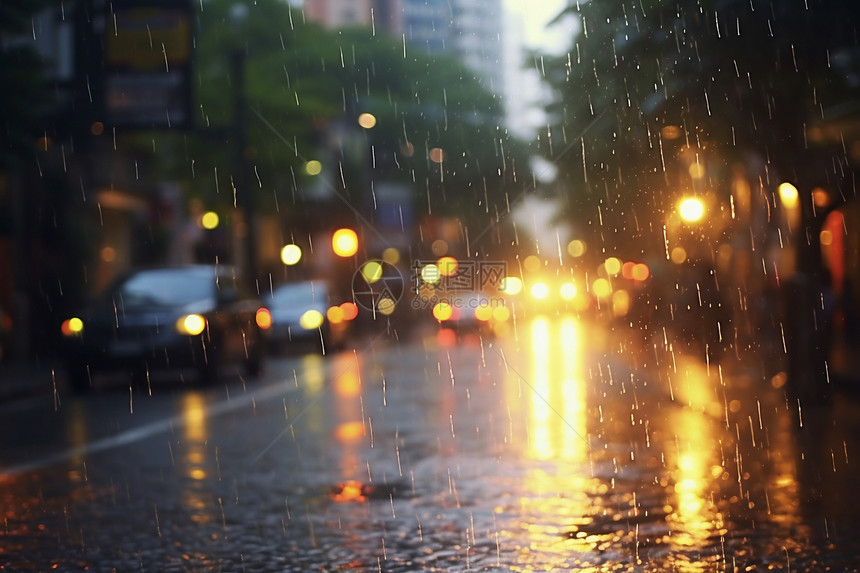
(20, 378)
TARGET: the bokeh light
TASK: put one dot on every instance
(532, 263)
(386, 306)
(291, 254)
(344, 242)
(209, 220)
(540, 291)
(367, 120)
(430, 274)
(511, 285)
(568, 291)
(371, 271)
(391, 256)
(576, 248)
(788, 195)
(691, 209)
(313, 167)
(311, 319)
(443, 311)
(601, 288)
(448, 266)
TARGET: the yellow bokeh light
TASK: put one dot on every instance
(291, 254)
(443, 311)
(313, 167)
(532, 263)
(335, 315)
(540, 291)
(391, 256)
(430, 274)
(501, 313)
(367, 120)
(108, 254)
(641, 271)
(576, 248)
(691, 209)
(612, 266)
(209, 220)
(601, 288)
(263, 318)
(311, 319)
(788, 195)
(826, 237)
(484, 312)
(448, 266)
(344, 242)
(511, 285)
(386, 306)
(371, 271)
(72, 326)
(679, 255)
(620, 302)
(568, 291)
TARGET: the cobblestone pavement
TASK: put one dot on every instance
(560, 448)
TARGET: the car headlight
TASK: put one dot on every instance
(191, 324)
(72, 327)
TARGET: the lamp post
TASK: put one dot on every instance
(241, 181)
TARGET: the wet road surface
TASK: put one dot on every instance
(559, 446)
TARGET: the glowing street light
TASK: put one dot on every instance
(691, 209)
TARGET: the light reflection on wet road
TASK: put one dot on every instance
(544, 450)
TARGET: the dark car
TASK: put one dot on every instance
(302, 313)
(196, 316)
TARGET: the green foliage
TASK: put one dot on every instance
(304, 88)
(733, 78)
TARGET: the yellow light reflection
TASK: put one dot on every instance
(349, 417)
(694, 517)
(540, 291)
(575, 446)
(541, 446)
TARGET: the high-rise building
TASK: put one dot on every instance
(469, 30)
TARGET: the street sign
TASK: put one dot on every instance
(148, 59)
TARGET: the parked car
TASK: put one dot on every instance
(196, 316)
(303, 314)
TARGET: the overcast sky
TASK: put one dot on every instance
(526, 26)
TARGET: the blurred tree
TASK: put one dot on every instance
(23, 97)
(651, 84)
(436, 128)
